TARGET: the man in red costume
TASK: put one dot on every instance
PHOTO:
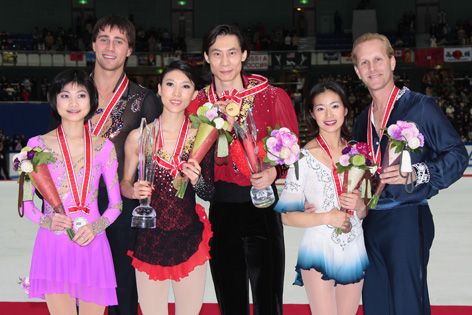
(247, 244)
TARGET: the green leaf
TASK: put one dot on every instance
(195, 121)
(229, 137)
(42, 158)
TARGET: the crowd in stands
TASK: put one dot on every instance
(8, 144)
(24, 89)
(443, 33)
(453, 93)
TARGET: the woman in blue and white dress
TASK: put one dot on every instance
(330, 263)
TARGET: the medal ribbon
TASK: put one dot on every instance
(175, 163)
(79, 200)
(236, 96)
(326, 149)
(114, 100)
(385, 118)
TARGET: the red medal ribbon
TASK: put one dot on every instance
(325, 148)
(114, 100)
(370, 141)
(233, 96)
(79, 200)
(175, 163)
(236, 96)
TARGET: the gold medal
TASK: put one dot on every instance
(177, 182)
(232, 109)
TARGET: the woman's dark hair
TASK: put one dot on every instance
(210, 39)
(121, 23)
(78, 77)
(317, 90)
(181, 66)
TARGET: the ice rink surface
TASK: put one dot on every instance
(449, 272)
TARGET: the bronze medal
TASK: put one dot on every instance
(232, 109)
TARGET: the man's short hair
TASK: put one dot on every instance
(371, 36)
(121, 23)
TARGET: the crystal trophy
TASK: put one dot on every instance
(247, 134)
(144, 216)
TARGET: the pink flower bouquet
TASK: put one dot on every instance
(403, 138)
(32, 165)
(356, 163)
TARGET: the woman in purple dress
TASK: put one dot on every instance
(79, 271)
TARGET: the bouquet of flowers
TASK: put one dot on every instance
(403, 138)
(356, 163)
(282, 148)
(212, 127)
(31, 163)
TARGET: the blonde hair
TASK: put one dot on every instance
(371, 36)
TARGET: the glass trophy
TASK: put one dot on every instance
(247, 134)
(144, 216)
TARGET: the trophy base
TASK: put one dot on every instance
(144, 217)
(262, 198)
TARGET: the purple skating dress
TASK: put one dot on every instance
(61, 266)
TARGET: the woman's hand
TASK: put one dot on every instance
(192, 170)
(142, 190)
(60, 222)
(84, 235)
(337, 218)
(352, 201)
(263, 179)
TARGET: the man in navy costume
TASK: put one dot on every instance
(400, 231)
(122, 104)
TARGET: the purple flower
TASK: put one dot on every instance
(395, 132)
(346, 150)
(30, 154)
(212, 113)
(353, 151)
(404, 124)
(16, 164)
(421, 138)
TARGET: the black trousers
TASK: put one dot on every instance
(247, 248)
(398, 243)
(119, 236)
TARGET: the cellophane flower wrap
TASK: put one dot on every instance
(31, 163)
(282, 148)
(212, 126)
(403, 138)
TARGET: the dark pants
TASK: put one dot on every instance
(247, 248)
(119, 236)
(398, 243)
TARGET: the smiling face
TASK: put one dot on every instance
(73, 102)
(226, 59)
(176, 91)
(374, 67)
(111, 49)
(328, 112)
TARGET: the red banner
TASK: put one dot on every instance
(429, 57)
